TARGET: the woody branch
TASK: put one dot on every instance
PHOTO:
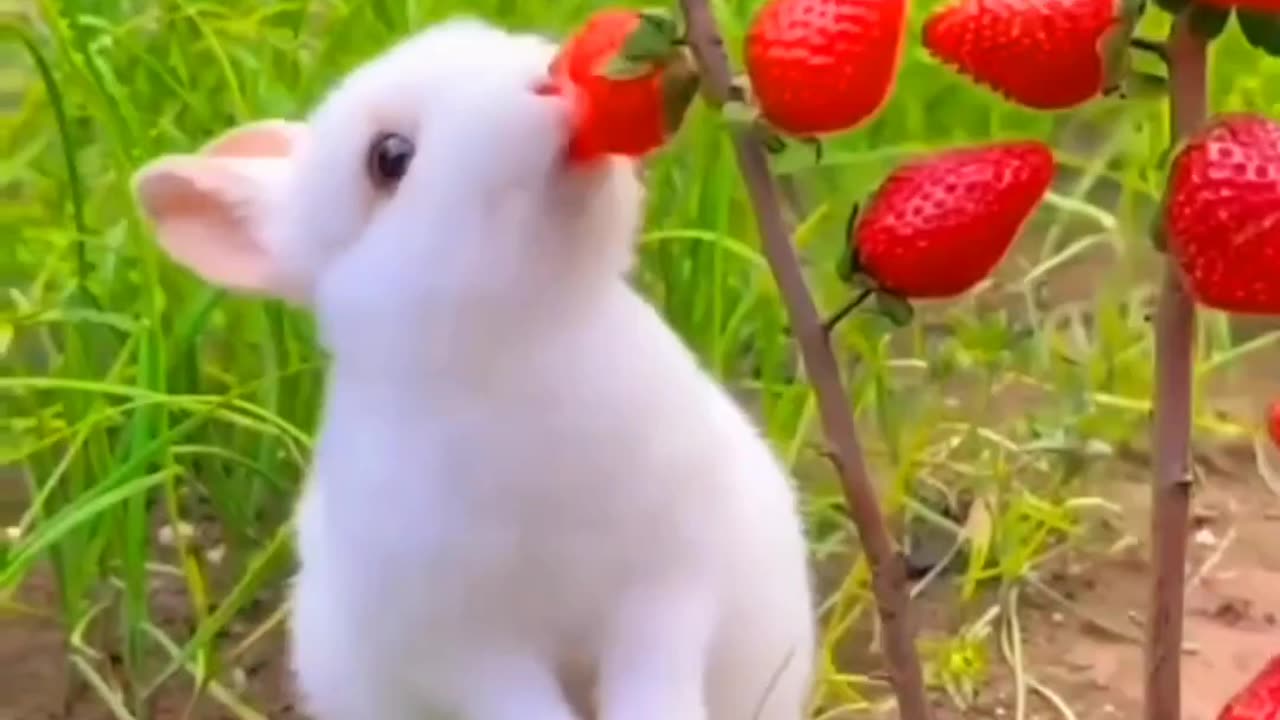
(888, 570)
(1171, 485)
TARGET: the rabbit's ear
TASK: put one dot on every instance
(264, 138)
(214, 212)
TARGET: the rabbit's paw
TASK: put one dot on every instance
(513, 687)
(655, 657)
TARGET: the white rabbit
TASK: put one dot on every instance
(527, 500)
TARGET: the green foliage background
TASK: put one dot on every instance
(134, 397)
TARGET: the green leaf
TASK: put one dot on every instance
(1261, 30)
(1208, 21)
(894, 307)
(6, 338)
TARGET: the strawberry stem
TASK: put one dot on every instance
(885, 559)
(1171, 434)
(830, 323)
(817, 149)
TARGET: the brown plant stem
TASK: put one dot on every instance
(1175, 347)
(888, 568)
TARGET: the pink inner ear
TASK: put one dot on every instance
(195, 244)
(200, 229)
(207, 217)
(266, 138)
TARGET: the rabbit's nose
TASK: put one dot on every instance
(562, 88)
(547, 87)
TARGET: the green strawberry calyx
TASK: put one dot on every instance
(896, 308)
(1173, 7)
(651, 45)
(1208, 21)
(1260, 30)
(740, 112)
(657, 46)
(680, 85)
(1114, 45)
(849, 266)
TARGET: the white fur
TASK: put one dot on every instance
(528, 501)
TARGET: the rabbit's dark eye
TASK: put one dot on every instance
(389, 158)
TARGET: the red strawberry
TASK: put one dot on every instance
(630, 81)
(1221, 218)
(1260, 699)
(938, 226)
(1044, 54)
(824, 66)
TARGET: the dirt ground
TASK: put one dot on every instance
(1086, 645)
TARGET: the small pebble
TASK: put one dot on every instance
(168, 536)
(1204, 536)
(215, 554)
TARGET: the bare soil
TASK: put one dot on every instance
(1088, 649)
